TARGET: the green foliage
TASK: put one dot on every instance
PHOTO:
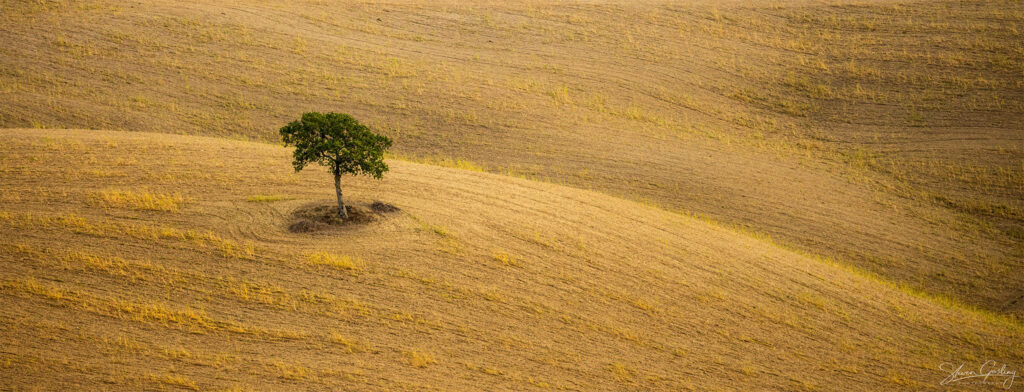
(337, 141)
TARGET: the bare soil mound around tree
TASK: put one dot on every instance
(323, 216)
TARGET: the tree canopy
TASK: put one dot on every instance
(337, 141)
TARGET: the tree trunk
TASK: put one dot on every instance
(341, 204)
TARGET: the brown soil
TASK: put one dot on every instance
(319, 216)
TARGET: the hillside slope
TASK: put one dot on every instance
(134, 260)
(885, 134)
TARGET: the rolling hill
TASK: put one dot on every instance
(584, 195)
(152, 261)
(884, 134)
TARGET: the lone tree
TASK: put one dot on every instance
(339, 142)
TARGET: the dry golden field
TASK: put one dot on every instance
(606, 195)
(147, 261)
(884, 134)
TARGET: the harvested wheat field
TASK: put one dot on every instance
(142, 261)
(582, 195)
(886, 134)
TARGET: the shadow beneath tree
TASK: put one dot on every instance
(324, 216)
